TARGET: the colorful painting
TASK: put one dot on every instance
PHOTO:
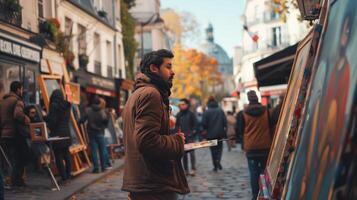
(328, 115)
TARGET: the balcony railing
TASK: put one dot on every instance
(10, 12)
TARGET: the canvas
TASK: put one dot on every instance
(328, 118)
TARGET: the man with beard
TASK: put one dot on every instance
(153, 169)
(12, 118)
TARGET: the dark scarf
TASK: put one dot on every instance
(162, 86)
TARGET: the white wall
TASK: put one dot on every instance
(93, 26)
(292, 31)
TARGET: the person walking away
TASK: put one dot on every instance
(97, 120)
(153, 169)
(58, 122)
(186, 122)
(231, 133)
(13, 126)
(255, 127)
(214, 123)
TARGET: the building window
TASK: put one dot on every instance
(40, 9)
(97, 47)
(147, 40)
(276, 41)
(256, 13)
(110, 61)
(68, 23)
(97, 68)
(82, 45)
(110, 72)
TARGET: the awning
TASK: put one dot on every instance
(94, 83)
(275, 69)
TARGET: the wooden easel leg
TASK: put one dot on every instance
(53, 178)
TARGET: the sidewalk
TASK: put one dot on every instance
(231, 183)
(40, 186)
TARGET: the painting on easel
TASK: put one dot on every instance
(330, 113)
(80, 159)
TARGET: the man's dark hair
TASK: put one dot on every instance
(186, 101)
(96, 100)
(15, 85)
(211, 99)
(154, 58)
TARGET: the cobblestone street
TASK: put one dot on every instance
(230, 183)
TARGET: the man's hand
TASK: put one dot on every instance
(182, 136)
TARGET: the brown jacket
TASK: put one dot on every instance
(152, 161)
(257, 131)
(11, 109)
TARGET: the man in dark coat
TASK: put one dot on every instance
(214, 123)
(255, 127)
(58, 120)
(152, 169)
(97, 120)
(12, 118)
(186, 123)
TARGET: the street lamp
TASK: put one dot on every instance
(310, 10)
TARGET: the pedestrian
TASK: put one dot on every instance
(255, 127)
(153, 169)
(14, 130)
(186, 122)
(58, 120)
(231, 133)
(97, 120)
(214, 123)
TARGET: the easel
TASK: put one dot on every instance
(80, 159)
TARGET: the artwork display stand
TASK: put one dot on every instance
(48, 83)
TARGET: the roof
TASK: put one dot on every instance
(275, 69)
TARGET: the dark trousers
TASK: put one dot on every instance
(193, 160)
(216, 152)
(63, 154)
(14, 151)
(97, 145)
(150, 196)
(256, 165)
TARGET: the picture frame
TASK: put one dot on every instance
(286, 116)
(73, 93)
(47, 84)
(38, 132)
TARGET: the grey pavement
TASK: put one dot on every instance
(230, 183)
(40, 186)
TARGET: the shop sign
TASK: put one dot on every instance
(109, 84)
(19, 50)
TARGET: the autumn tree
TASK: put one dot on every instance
(196, 74)
(184, 25)
(129, 42)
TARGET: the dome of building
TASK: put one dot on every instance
(212, 49)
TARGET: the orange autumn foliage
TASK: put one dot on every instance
(196, 73)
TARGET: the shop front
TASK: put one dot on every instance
(19, 61)
(272, 74)
(93, 85)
